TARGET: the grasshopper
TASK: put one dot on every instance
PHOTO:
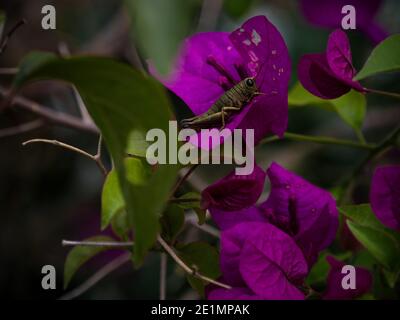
(229, 102)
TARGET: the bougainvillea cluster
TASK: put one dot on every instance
(211, 63)
(268, 248)
(330, 74)
(282, 236)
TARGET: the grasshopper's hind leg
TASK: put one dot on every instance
(226, 112)
(210, 120)
(186, 123)
(202, 122)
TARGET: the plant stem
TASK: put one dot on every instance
(177, 200)
(384, 93)
(8, 71)
(7, 37)
(385, 144)
(70, 243)
(360, 136)
(49, 115)
(186, 268)
(86, 118)
(95, 278)
(22, 128)
(183, 179)
(163, 275)
(321, 140)
(95, 158)
(191, 218)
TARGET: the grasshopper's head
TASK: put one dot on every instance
(251, 86)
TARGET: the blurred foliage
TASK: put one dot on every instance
(48, 195)
(159, 26)
(108, 88)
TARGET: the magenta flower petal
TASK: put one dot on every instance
(385, 195)
(316, 76)
(232, 242)
(266, 57)
(303, 210)
(334, 289)
(234, 192)
(194, 79)
(272, 265)
(211, 63)
(228, 219)
(329, 75)
(338, 54)
(232, 294)
(332, 15)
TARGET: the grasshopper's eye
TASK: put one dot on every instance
(249, 82)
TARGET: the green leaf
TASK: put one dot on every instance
(195, 205)
(79, 255)
(361, 214)
(385, 57)
(33, 61)
(189, 200)
(381, 242)
(201, 215)
(204, 258)
(363, 258)
(137, 144)
(137, 173)
(300, 97)
(120, 224)
(158, 28)
(382, 246)
(120, 100)
(237, 8)
(320, 269)
(391, 277)
(112, 200)
(172, 222)
(351, 108)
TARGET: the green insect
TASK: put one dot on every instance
(228, 103)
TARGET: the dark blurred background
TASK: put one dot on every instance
(48, 194)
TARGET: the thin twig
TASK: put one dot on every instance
(8, 71)
(178, 200)
(186, 268)
(96, 159)
(321, 140)
(55, 117)
(3, 45)
(22, 128)
(71, 243)
(99, 275)
(383, 146)
(385, 93)
(183, 179)
(97, 156)
(99, 144)
(163, 275)
(191, 218)
(86, 118)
